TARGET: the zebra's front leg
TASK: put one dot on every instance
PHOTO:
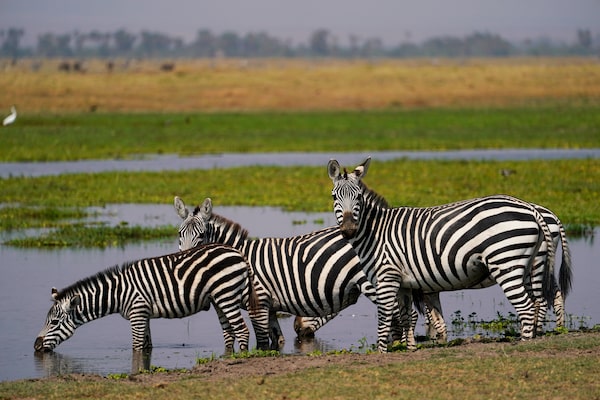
(275, 332)
(140, 332)
(408, 317)
(388, 285)
(437, 325)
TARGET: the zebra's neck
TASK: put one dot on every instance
(97, 293)
(222, 230)
(373, 206)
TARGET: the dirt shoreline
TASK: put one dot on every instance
(263, 367)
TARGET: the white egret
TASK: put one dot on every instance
(11, 117)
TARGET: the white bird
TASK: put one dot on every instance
(11, 117)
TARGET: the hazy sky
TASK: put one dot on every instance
(391, 20)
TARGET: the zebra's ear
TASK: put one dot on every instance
(206, 209)
(180, 208)
(54, 293)
(361, 170)
(333, 169)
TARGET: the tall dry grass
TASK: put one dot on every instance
(36, 86)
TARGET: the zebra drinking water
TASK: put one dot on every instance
(169, 286)
(315, 274)
(449, 247)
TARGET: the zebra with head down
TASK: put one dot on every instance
(169, 286)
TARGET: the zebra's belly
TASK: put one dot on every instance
(445, 276)
(190, 307)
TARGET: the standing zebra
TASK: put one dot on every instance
(432, 306)
(449, 247)
(169, 286)
(311, 275)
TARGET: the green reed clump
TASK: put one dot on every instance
(12, 217)
(80, 235)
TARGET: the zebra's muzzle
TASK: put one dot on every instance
(348, 227)
(39, 344)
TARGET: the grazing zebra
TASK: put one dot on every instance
(315, 274)
(448, 247)
(169, 286)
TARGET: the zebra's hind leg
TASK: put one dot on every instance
(512, 282)
(234, 327)
(559, 308)
(260, 322)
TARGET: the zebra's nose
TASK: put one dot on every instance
(348, 226)
(39, 344)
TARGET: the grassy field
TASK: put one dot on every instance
(309, 85)
(96, 136)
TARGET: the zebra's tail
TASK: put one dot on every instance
(419, 301)
(565, 274)
(253, 301)
(548, 279)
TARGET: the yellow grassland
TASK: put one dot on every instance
(36, 86)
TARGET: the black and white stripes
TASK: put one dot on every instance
(316, 274)
(171, 286)
(449, 247)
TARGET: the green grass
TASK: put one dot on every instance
(37, 217)
(80, 235)
(116, 136)
(571, 188)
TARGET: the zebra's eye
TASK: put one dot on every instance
(334, 196)
(54, 322)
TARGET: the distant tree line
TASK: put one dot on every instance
(321, 43)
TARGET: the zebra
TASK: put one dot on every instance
(169, 286)
(432, 306)
(311, 275)
(449, 247)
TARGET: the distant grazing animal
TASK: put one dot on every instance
(12, 117)
(170, 286)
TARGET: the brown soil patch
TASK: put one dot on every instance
(261, 367)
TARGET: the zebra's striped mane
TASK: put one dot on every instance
(232, 226)
(82, 283)
(373, 197)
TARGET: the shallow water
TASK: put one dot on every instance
(104, 346)
(176, 163)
